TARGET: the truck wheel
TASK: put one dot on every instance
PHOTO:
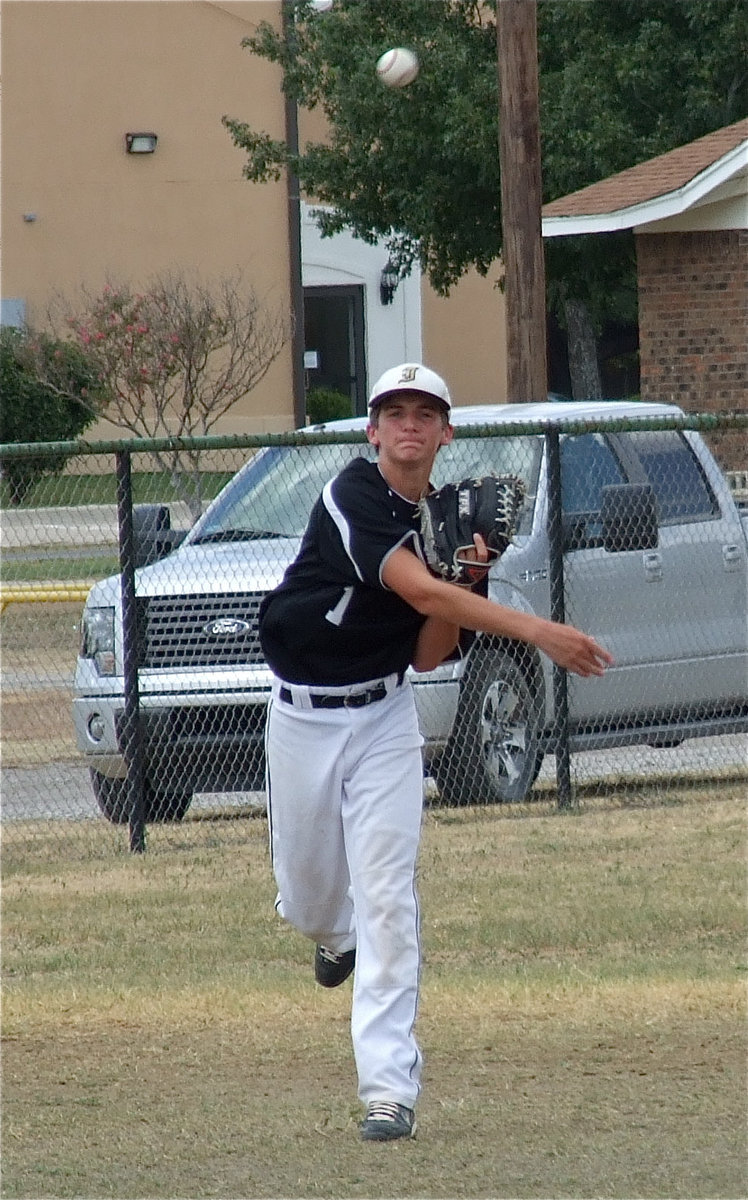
(111, 797)
(492, 755)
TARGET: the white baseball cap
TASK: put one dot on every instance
(410, 377)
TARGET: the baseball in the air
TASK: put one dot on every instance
(397, 68)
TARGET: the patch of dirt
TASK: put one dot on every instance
(36, 727)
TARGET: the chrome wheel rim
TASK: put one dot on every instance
(504, 732)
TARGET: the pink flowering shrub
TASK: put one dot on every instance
(174, 357)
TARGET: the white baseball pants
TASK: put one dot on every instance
(345, 790)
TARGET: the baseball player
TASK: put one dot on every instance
(354, 611)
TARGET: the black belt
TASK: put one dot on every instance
(331, 700)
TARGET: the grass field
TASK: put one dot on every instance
(149, 487)
(582, 1018)
(60, 568)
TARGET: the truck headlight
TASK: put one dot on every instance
(97, 638)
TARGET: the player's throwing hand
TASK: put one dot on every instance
(572, 649)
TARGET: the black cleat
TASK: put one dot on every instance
(385, 1121)
(332, 969)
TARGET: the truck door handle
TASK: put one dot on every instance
(652, 565)
(731, 556)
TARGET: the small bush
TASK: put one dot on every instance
(325, 404)
(33, 411)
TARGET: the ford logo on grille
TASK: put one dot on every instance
(227, 627)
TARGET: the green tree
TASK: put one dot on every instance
(56, 408)
(619, 83)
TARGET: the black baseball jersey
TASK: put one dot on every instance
(332, 621)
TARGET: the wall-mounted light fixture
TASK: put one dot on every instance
(388, 282)
(141, 143)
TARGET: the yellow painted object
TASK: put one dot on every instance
(44, 593)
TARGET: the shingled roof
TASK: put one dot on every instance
(632, 197)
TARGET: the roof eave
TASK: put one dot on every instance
(693, 193)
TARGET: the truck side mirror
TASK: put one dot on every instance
(153, 535)
(628, 516)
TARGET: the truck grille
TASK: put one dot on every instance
(199, 630)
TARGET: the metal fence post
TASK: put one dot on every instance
(558, 613)
(133, 742)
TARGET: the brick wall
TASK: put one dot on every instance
(693, 322)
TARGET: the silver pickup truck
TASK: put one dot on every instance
(655, 566)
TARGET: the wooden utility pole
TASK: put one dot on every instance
(521, 200)
(293, 196)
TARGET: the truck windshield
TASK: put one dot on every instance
(274, 493)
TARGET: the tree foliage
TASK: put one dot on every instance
(619, 83)
(54, 405)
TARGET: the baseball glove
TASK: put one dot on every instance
(453, 513)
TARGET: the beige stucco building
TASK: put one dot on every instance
(78, 208)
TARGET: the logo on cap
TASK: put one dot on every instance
(408, 375)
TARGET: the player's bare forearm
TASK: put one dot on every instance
(436, 641)
(438, 638)
(567, 646)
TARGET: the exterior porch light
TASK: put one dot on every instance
(388, 282)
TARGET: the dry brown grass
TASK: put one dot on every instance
(583, 1015)
(39, 645)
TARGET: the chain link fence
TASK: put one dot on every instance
(148, 704)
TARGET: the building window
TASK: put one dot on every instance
(13, 312)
